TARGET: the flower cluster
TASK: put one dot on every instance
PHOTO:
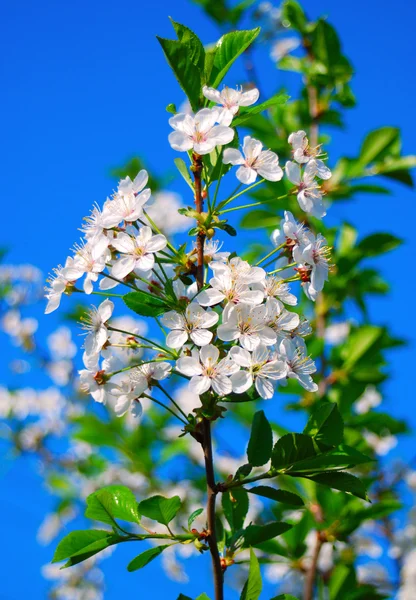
(229, 335)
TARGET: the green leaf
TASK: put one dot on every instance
(81, 542)
(326, 45)
(196, 51)
(347, 239)
(257, 534)
(113, 502)
(277, 495)
(246, 113)
(235, 505)
(260, 446)
(292, 448)
(342, 581)
(203, 597)
(160, 509)
(253, 586)
(193, 516)
(377, 144)
(284, 597)
(378, 243)
(325, 424)
(145, 304)
(254, 218)
(344, 482)
(292, 13)
(183, 170)
(188, 75)
(228, 48)
(146, 557)
(358, 343)
(343, 456)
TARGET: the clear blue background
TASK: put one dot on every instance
(85, 87)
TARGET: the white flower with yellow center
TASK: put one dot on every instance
(230, 100)
(193, 324)
(206, 371)
(253, 161)
(247, 325)
(200, 132)
(261, 367)
(138, 252)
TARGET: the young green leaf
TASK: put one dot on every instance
(235, 504)
(160, 509)
(246, 113)
(257, 534)
(339, 480)
(192, 41)
(253, 586)
(292, 13)
(188, 75)
(277, 495)
(378, 144)
(183, 170)
(325, 424)
(145, 304)
(378, 243)
(260, 446)
(113, 502)
(194, 515)
(227, 50)
(145, 558)
(359, 343)
(81, 541)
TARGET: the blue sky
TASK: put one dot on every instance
(85, 87)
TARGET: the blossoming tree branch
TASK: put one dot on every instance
(224, 324)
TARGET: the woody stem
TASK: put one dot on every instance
(206, 441)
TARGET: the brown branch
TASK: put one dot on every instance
(212, 495)
(206, 441)
(311, 572)
(199, 205)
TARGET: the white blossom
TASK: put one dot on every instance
(247, 325)
(230, 285)
(94, 380)
(200, 132)
(254, 161)
(282, 321)
(230, 100)
(207, 371)
(303, 153)
(262, 367)
(291, 232)
(212, 251)
(299, 366)
(316, 256)
(193, 324)
(127, 204)
(164, 212)
(309, 192)
(137, 252)
(95, 325)
(60, 343)
(89, 260)
(139, 381)
(58, 284)
(371, 398)
(273, 286)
